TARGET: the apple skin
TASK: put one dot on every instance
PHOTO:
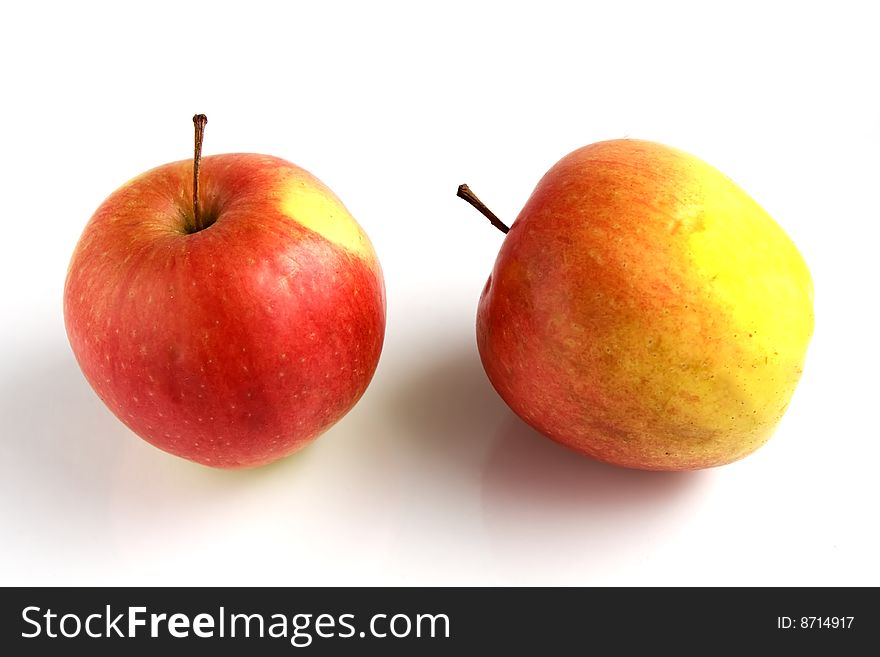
(645, 311)
(238, 344)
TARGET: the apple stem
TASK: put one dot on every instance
(199, 120)
(465, 192)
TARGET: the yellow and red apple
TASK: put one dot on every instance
(645, 311)
(235, 335)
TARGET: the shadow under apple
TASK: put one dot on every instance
(542, 501)
(448, 410)
(72, 470)
(60, 446)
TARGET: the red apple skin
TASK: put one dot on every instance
(238, 344)
(645, 311)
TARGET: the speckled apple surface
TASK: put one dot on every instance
(644, 310)
(238, 344)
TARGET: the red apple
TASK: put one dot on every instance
(645, 311)
(233, 331)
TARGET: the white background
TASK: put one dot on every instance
(431, 480)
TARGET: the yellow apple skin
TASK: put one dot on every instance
(645, 311)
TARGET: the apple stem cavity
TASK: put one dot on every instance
(199, 121)
(465, 192)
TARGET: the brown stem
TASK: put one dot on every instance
(199, 120)
(465, 192)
